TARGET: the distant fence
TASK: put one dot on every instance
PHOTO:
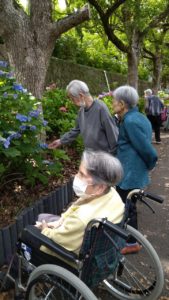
(63, 71)
(53, 203)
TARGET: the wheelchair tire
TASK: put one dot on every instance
(138, 276)
(54, 282)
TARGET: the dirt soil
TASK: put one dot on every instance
(154, 226)
(15, 195)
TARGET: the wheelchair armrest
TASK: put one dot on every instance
(32, 236)
(117, 229)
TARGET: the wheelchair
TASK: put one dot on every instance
(99, 268)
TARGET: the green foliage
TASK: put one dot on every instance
(59, 111)
(90, 49)
(61, 114)
(107, 99)
(143, 72)
(21, 125)
(141, 105)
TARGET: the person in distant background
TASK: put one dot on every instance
(94, 122)
(134, 150)
(153, 109)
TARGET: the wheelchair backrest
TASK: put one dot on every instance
(101, 253)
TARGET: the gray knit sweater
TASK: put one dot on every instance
(97, 128)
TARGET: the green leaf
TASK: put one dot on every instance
(2, 168)
(42, 178)
(12, 152)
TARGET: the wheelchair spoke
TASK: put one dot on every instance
(49, 282)
(138, 276)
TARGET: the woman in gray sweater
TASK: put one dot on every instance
(94, 122)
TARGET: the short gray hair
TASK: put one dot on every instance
(75, 87)
(148, 91)
(103, 167)
(128, 94)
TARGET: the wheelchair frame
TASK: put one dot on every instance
(119, 289)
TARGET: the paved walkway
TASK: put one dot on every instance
(156, 226)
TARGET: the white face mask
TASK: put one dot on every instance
(79, 187)
(82, 104)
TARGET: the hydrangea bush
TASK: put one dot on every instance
(22, 154)
(61, 114)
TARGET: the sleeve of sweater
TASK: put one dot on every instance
(110, 128)
(69, 235)
(71, 135)
(141, 144)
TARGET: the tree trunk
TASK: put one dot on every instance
(30, 39)
(157, 67)
(133, 61)
(30, 60)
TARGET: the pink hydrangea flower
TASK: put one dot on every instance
(63, 109)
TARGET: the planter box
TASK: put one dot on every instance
(53, 203)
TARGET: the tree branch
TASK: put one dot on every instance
(107, 27)
(97, 7)
(151, 55)
(113, 8)
(114, 39)
(157, 19)
(10, 17)
(72, 20)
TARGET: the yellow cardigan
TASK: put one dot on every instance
(70, 233)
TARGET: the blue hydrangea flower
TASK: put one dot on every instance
(2, 73)
(23, 127)
(44, 122)
(34, 113)
(7, 143)
(15, 96)
(10, 75)
(43, 145)
(32, 127)
(14, 135)
(5, 95)
(22, 118)
(18, 87)
(3, 64)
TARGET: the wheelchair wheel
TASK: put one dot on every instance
(138, 276)
(52, 282)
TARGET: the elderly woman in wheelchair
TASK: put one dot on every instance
(81, 250)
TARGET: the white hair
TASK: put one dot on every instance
(128, 94)
(75, 87)
(103, 167)
(148, 92)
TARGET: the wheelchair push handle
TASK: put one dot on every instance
(142, 193)
(151, 196)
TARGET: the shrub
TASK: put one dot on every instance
(61, 114)
(107, 98)
(22, 153)
(141, 105)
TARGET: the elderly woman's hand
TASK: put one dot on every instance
(41, 225)
(44, 225)
(55, 224)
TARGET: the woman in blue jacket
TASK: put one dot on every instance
(135, 150)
